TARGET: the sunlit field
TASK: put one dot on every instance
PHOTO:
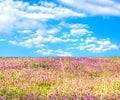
(60, 78)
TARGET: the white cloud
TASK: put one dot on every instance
(104, 46)
(49, 52)
(65, 35)
(16, 15)
(52, 39)
(1, 40)
(45, 52)
(37, 40)
(25, 31)
(39, 16)
(77, 26)
(6, 23)
(28, 25)
(13, 42)
(51, 11)
(29, 43)
(53, 31)
(63, 53)
(70, 40)
(95, 7)
(89, 43)
(81, 32)
(48, 4)
(98, 46)
(76, 29)
(90, 39)
(74, 26)
(12, 17)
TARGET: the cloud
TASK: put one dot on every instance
(26, 25)
(95, 7)
(63, 53)
(77, 29)
(26, 31)
(39, 41)
(97, 46)
(29, 43)
(42, 25)
(1, 40)
(49, 10)
(81, 32)
(90, 40)
(45, 52)
(74, 26)
(54, 35)
(17, 15)
(49, 52)
(53, 31)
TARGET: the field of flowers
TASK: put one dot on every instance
(62, 78)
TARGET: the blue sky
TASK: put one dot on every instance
(40, 28)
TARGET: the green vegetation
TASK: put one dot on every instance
(60, 78)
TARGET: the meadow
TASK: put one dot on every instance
(60, 78)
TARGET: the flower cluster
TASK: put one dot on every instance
(60, 78)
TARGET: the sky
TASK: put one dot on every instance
(51, 28)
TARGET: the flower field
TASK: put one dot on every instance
(61, 78)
